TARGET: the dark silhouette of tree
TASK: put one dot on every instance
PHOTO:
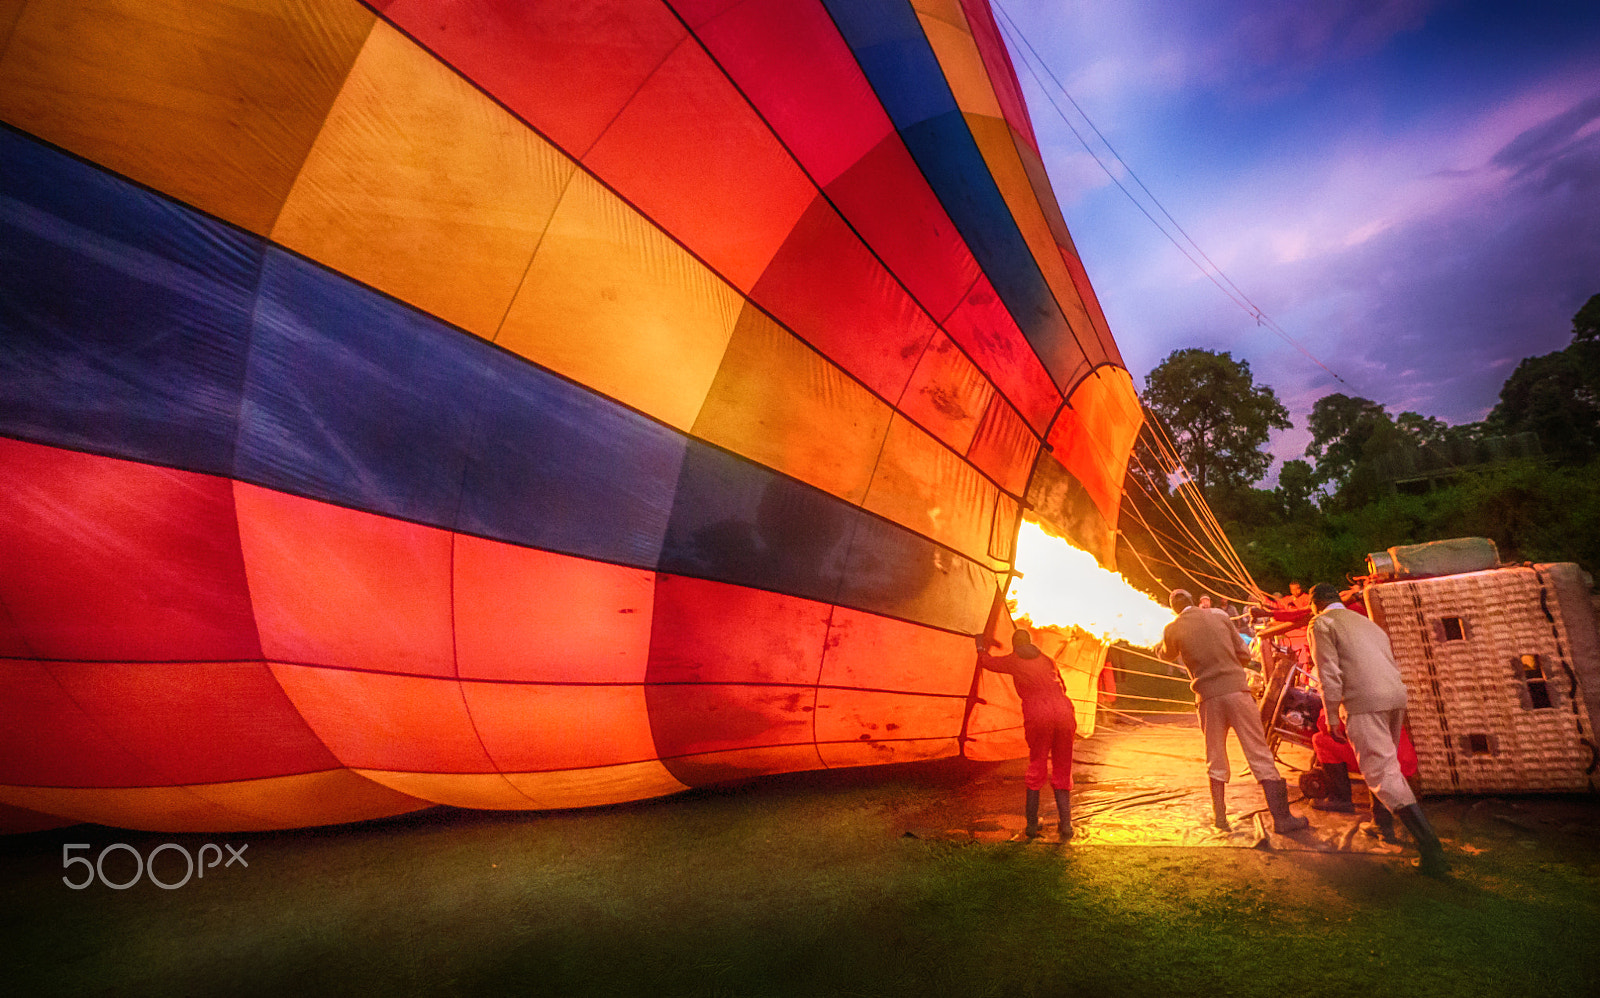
(1218, 417)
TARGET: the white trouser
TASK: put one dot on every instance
(1239, 712)
(1375, 737)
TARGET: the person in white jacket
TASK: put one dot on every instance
(1364, 701)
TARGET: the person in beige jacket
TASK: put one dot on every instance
(1364, 701)
(1215, 655)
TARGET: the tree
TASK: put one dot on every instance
(1297, 486)
(1557, 395)
(1217, 416)
(1342, 428)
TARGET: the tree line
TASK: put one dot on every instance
(1527, 476)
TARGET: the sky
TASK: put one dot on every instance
(1410, 189)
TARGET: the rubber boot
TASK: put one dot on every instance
(1338, 799)
(1064, 812)
(1432, 862)
(1383, 818)
(1032, 831)
(1219, 804)
(1284, 820)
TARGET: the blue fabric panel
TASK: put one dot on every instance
(898, 573)
(736, 521)
(888, 42)
(557, 467)
(123, 318)
(354, 398)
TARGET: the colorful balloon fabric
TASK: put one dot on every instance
(513, 404)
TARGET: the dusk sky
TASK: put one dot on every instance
(1410, 188)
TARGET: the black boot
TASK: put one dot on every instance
(1064, 813)
(1283, 819)
(1432, 862)
(1338, 776)
(1032, 831)
(1219, 804)
(1383, 818)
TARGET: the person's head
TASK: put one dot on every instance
(1180, 600)
(1022, 644)
(1323, 595)
(1205, 602)
(1295, 588)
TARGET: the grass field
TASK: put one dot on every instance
(806, 885)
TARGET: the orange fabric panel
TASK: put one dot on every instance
(314, 568)
(10, 11)
(691, 719)
(994, 728)
(215, 102)
(532, 615)
(869, 715)
(988, 333)
(370, 721)
(165, 809)
(945, 25)
(566, 68)
(693, 155)
(489, 791)
(327, 798)
(424, 188)
(594, 787)
(928, 488)
(1094, 436)
(702, 769)
(839, 755)
(777, 401)
(529, 727)
(947, 394)
(711, 632)
(616, 305)
(1004, 447)
(872, 652)
(1003, 539)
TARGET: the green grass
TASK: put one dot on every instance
(801, 886)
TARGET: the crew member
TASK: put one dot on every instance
(1049, 724)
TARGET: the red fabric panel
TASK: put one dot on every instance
(530, 728)
(565, 66)
(46, 739)
(985, 330)
(12, 644)
(886, 198)
(716, 652)
(947, 395)
(691, 154)
(997, 60)
(116, 560)
(316, 568)
(198, 722)
(409, 724)
(711, 632)
(874, 718)
(1004, 447)
(872, 652)
(533, 615)
(788, 58)
(834, 294)
(697, 12)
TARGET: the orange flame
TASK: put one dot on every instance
(1063, 586)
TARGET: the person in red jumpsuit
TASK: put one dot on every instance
(1049, 724)
(1338, 761)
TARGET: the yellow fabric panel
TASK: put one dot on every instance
(614, 304)
(838, 755)
(421, 186)
(947, 393)
(958, 57)
(329, 797)
(215, 102)
(777, 401)
(921, 484)
(489, 791)
(1000, 153)
(594, 787)
(866, 650)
